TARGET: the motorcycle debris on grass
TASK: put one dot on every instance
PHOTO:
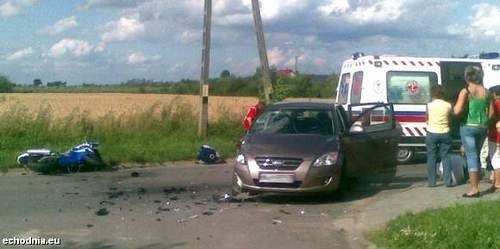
(208, 155)
(83, 157)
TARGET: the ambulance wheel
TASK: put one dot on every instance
(405, 155)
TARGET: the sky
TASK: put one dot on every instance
(111, 41)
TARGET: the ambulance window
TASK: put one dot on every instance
(344, 88)
(410, 87)
(357, 85)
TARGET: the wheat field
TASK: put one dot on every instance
(96, 105)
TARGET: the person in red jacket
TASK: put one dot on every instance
(494, 139)
(252, 113)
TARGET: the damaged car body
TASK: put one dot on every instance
(306, 147)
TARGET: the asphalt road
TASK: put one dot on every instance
(183, 206)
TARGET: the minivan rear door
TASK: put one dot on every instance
(373, 137)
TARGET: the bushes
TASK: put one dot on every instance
(5, 84)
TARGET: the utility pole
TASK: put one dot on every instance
(296, 65)
(261, 44)
(205, 69)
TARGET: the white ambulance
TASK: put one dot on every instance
(406, 82)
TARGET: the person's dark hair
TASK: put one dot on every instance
(437, 92)
(474, 74)
(495, 90)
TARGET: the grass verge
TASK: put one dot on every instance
(153, 136)
(462, 226)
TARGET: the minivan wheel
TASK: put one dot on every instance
(405, 154)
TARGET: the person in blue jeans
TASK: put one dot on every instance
(438, 139)
(475, 104)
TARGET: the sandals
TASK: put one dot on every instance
(467, 195)
(492, 189)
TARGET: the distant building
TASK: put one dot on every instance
(287, 72)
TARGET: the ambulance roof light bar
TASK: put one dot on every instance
(357, 55)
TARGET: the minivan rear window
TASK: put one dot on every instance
(405, 87)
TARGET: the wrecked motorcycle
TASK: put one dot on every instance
(84, 156)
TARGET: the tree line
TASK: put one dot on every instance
(227, 84)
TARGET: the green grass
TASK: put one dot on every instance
(137, 138)
(462, 226)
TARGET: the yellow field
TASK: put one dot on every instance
(99, 104)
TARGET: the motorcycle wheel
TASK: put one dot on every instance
(94, 161)
(45, 165)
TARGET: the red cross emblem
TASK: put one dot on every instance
(412, 87)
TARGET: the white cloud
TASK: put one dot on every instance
(20, 54)
(61, 26)
(70, 48)
(12, 8)
(189, 37)
(126, 28)
(379, 12)
(334, 7)
(276, 56)
(89, 4)
(138, 57)
(486, 22)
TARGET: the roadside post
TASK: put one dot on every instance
(205, 69)
(261, 44)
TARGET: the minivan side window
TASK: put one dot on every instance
(405, 87)
(345, 82)
(357, 85)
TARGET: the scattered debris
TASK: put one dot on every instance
(157, 201)
(193, 216)
(207, 213)
(174, 198)
(277, 221)
(107, 202)
(164, 209)
(285, 212)
(141, 191)
(102, 212)
(302, 212)
(113, 195)
(180, 221)
(174, 190)
(223, 198)
(134, 174)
